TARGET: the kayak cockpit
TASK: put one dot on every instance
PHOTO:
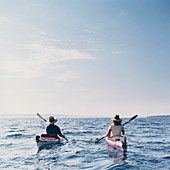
(47, 140)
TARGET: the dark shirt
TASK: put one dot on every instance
(53, 130)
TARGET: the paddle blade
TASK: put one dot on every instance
(99, 139)
(130, 119)
(41, 117)
(133, 118)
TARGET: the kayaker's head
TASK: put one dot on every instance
(51, 120)
(117, 120)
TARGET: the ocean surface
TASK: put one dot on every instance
(148, 145)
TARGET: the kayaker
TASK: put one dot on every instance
(115, 129)
(53, 130)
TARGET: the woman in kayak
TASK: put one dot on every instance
(115, 129)
(53, 130)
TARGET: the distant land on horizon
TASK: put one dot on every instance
(160, 116)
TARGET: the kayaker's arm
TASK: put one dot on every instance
(65, 138)
(61, 135)
(108, 133)
(123, 132)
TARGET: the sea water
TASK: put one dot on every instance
(148, 145)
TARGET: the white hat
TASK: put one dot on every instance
(51, 120)
(116, 119)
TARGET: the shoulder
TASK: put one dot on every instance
(111, 126)
(118, 126)
(121, 126)
(55, 126)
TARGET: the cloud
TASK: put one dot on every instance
(20, 68)
(3, 20)
(68, 75)
(87, 39)
(116, 52)
(56, 54)
(65, 76)
(32, 60)
(122, 13)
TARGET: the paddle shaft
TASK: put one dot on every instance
(83, 140)
(100, 139)
(123, 125)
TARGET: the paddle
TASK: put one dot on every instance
(123, 125)
(83, 140)
(41, 117)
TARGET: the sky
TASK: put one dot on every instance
(94, 57)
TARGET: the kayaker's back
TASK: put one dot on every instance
(116, 130)
(53, 130)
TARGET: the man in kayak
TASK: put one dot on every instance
(53, 130)
(115, 129)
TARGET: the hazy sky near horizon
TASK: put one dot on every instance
(92, 57)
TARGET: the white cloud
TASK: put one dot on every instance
(64, 77)
(68, 75)
(3, 20)
(31, 60)
(51, 53)
(87, 39)
(19, 68)
(116, 52)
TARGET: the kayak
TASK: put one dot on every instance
(46, 140)
(116, 143)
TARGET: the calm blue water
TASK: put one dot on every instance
(148, 145)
